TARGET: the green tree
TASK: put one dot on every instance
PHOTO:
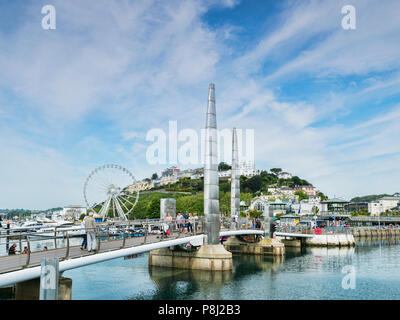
(302, 195)
(153, 209)
(322, 196)
(224, 186)
(154, 176)
(223, 166)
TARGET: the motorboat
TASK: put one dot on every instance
(61, 231)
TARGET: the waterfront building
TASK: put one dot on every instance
(384, 204)
(335, 205)
(357, 206)
(289, 219)
(309, 207)
(388, 203)
(278, 206)
(375, 208)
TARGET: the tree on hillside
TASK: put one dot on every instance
(322, 196)
(154, 176)
(369, 198)
(253, 184)
(296, 181)
(223, 166)
(224, 186)
(276, 171)
(302, 195)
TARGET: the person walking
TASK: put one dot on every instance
(90, 228)
(84, 235)
(195, 222)
(190, 223)
(258, 223)
(168, 221)
(179, 222)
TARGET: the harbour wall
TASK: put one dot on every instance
(375, 233)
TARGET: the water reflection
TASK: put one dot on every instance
(180, 284)
(310, 273)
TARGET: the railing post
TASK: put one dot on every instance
(145, 234)
(20, 241)
(28, 255)
(123, 240)
(55, 237)
(67, 253)
(98, 239)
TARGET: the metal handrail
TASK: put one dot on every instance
(66, 234)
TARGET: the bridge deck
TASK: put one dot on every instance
(18, 262)
(294, 235)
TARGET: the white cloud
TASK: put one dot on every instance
(137, 65)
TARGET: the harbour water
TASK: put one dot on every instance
(313, 273)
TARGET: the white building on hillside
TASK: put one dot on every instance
(247, 168)
(73, 212)
(284, 175)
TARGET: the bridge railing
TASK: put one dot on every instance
(50, 238)
(37, 239)
(305, 230)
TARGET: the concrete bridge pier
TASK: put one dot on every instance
(30, 290)
(255, 245)
(258, 245)
(207, 257)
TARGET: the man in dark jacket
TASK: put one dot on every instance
(12, 250)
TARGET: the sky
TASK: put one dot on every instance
(323, 101)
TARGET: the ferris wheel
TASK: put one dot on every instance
(111, 191)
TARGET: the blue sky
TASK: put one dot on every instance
(323, 102)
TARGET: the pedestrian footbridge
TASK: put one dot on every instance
(23, 267)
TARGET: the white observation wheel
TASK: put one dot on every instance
(111, 191)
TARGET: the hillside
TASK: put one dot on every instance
(257, 183)
(369, 198)
(148, 205)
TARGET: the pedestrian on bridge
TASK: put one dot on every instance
(90, 228)
(84, 235)
(168, 221)
(190, 223)
(13, 250)
(258, 222)
(179, 222)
